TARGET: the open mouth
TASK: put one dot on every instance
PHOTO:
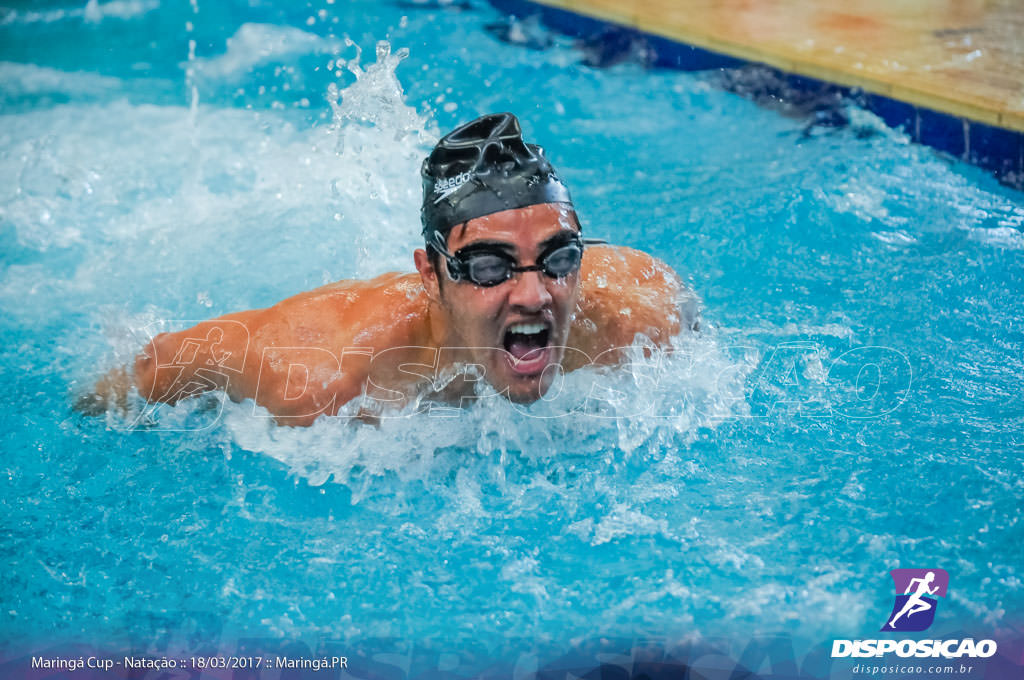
(527, 346)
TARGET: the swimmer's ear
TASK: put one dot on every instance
(428, 274)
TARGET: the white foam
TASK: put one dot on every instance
(895, 238)
(662, 397)
(255, 45)
(864, 199)
(28, 79)
(1003, 237)
(92, 12)
(118, 9)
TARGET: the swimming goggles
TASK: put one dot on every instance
(486, 266)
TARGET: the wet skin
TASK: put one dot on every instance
(392, 335)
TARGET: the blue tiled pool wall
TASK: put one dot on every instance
(998, 150)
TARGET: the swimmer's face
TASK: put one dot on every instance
(519, 327)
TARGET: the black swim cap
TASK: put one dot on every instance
(484, 167)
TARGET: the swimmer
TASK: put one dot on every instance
(914, 603)
(506, 283)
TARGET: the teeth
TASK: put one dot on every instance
(527, 328)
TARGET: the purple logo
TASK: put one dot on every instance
(916, 592)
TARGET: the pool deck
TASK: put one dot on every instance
(964, 58)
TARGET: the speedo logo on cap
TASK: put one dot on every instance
(446, 187)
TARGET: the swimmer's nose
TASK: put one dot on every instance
(529, 291)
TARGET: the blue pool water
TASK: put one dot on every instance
(852, 406)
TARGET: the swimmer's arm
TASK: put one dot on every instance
(110, 392)
(285, 357)
(173, 366)
(264, 355)
(212, 355)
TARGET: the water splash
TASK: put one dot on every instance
(622, 416)
(76, 175)
(376, 100)
(386, 139)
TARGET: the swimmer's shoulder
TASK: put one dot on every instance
(625, 266)
(625, 292)
(380, 311)
(332, 331)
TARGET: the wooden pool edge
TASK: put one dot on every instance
(988, 139)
